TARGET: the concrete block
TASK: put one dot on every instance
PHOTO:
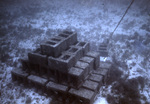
(76, 77)
(34, 69)
(43, 71)
(52, 75)
(85, 95)
(19, 75)
(103, 53)
(91, 85)
(25, 63)
(88, 60)
(70, 36)
(53, 47)
(85, 46)
(37, 80)
(76, 51)
(103, 50)
(105, 65)
(103, 72)
(96, 57)
(37, 58)
(63, 63)
(83, 65)
(63, 41)
(96, 78)
(62, 77)
(56, 87)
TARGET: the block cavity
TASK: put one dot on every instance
(54, 46)
(71, 37)
(76, 51)
(85, 46)
(63, 63)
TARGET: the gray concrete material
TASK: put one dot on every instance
(88, 60)
(71, 37)
(52, 75)
(47, 48)
(96, 57)
(62, 77)
(25, 63)
(76, 77)
(19, 75)
(56, 87)
(85, 46)
(87, 96)
(91, 85)
(76, 51)
(96, 78)
(43, 71)
(34, 68)
(103, 50)
(105, 65)
(103, 72)
(37, 80)
(53, 47)
(83, 65)
(37, 58)
(63, 41)
(63, 63)
(19, 72)
(103, 53)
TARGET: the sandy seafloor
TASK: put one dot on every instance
(25, 24)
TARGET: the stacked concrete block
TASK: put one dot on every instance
(71, 37)
(54, 46)
(84, 95)
(76, 51)
(62, 64)
(65, 69)
(76, 77)
(52, 75)
(85, 66)
(88, 60)
(38, 82)
(38, 63)
(105, 65)
(85, 46)
(96, 56)
(52, 86)
(103, 72)
(19, 75)
(25, 64)
(103, 50)
(91, 85)
(62, 77)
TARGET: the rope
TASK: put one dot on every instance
(121, 19)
